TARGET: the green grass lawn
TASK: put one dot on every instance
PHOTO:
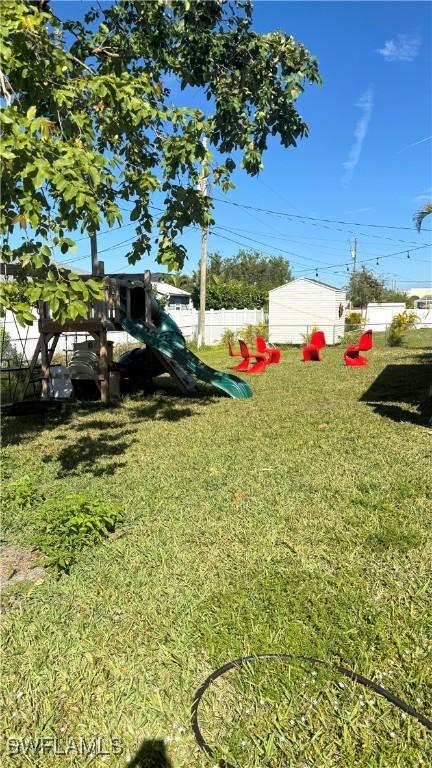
(298, 521)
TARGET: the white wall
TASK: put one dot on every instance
(379, 316)
(296, 307)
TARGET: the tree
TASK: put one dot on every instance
(426, 210)
(249, 267)
(364, 287)
(88, 123)
(234, 295)
(178, 280)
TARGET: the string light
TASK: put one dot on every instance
(316, 272)
(408, 255)
(377, 263)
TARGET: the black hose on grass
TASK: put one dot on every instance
(289, 657)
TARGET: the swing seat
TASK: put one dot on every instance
(311, 352)
(352, 354)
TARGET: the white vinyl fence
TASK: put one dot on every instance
(217, 321)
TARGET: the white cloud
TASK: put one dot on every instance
(400, 48)
(366, 105)
(357, 210)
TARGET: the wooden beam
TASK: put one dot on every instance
(103, 367)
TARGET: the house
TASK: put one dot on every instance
(419, 293)
(303, 304)
(177, 298)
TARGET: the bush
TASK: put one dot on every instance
(405, 320)
(227, 337)
(353, 319)
(307, 336)
(70, 523)
(350, 337)
(400, 324)
(395, 336)
(250, 332)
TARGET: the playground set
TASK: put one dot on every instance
(128, 306)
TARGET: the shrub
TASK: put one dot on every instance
(250, 332)
(350, 337)
(262, 330)
(228, 336)
(400, 324)
(20, 500)
(68, 524)
(307, 336)
(353, 319)
(395, 336)
(405, 320)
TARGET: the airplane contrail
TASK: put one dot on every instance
(428, 138)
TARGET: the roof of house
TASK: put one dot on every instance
(309, 280)
(169, 290)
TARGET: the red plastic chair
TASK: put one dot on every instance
(231, 351)
(312, 350)
(352, 354)
(260, 364)
(273, 354)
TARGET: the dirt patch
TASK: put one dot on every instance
(18, 564)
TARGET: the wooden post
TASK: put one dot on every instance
(103, 367)
(147, 295)
(45, 366)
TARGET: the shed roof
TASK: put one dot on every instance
(308, 280)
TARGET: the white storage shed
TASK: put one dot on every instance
(302, 304)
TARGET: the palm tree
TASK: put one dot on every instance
(179, 281)
(421, 214)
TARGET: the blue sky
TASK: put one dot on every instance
(366, 159)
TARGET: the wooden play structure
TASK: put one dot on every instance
(125, 295)
(128, 306)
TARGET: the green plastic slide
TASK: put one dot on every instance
(166, 338)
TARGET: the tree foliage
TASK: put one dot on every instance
(425, 210)
(234, 295)
(250, 266)
(364, 287)
(88, 123)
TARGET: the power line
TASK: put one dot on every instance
(312, 218)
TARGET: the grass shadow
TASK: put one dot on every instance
(399, 386)
(151, 754)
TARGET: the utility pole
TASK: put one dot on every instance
(203, 269)
(354, 254)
